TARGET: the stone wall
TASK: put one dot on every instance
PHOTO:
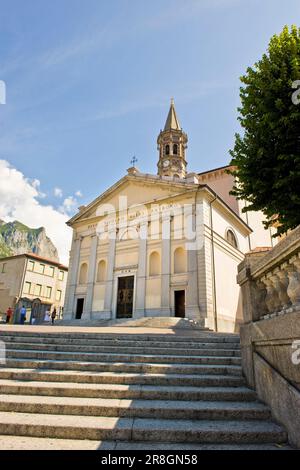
(270, 335)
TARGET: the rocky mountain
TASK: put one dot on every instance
(17, 238)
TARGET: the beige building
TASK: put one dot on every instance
(162, 245)
(35, 282)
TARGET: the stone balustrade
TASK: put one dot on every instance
(282, 287)
(270, 333)
(270, 280)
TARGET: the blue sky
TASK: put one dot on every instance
(89, 84)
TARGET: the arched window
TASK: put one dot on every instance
(175, 149)
(167, 149)
(179, 261)
(154, 264)
(101, 272)
(83, 273)
(231, 238)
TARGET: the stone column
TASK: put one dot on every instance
(91, 277)
(166, 265)
(72, 279)
(110, 273)
(142, 272)
(192, 296)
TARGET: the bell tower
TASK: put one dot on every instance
(172, 144)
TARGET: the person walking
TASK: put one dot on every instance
(9, 314)
(53, 316)
(47, 316)
(23, 315)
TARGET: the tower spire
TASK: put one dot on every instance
(172, 144)
(172, 122)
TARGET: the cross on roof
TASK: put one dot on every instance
(134, 161)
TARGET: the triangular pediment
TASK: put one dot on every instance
(133, 191)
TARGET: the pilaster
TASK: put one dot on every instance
(110, 273)
(72, 279)
(166, 264)
(91, 277)
(192, 296)
(142, 272)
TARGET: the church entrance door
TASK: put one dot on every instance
(180, 303)
(79, 309)
(125, 297)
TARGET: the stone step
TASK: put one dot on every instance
(161, 322)
(137, 429)
(123, 408)
(84, 377)
(125, 349)
(124, 358)
(141, 367)
(205, 337)
(40, 443)
(145, 392)
(116, 342)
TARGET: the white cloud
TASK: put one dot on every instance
(78, 193)
(41, 195)
(37, 184)
(58, 192)
(69, 205)
(19, 201)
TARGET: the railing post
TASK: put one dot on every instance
(282, 276)
(293, 289)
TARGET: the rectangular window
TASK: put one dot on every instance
(48, 292)
(49, 271)
(58, 295)
(42, 268)
(30, 265)
(38, 290)
(61, 275)
(27, 287)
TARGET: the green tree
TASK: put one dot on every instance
(267, 157)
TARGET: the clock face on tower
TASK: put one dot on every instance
(166, 163)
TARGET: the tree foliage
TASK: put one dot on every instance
(267, 157)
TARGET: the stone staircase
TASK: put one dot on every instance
(65, 390)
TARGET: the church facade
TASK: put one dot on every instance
(163, 245)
